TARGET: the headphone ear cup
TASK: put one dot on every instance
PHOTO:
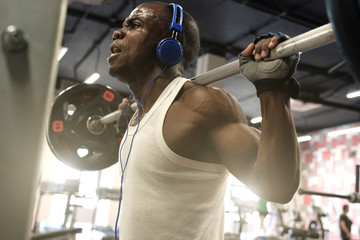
(169, 51)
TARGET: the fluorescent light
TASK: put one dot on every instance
(353, 94)
(344, 131)
(62, 52)
(300, 106)
(92, 78)
(256, 120)
(304, 138)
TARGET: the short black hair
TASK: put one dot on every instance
(189, 37)
(345, 207)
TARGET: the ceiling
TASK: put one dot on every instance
(226, 28)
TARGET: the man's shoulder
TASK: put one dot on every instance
(209, 102)
(197, 95)
(199, 92)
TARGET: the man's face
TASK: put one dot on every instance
(134, 45)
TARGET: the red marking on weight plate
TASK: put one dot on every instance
(108, 96)
(57, 126)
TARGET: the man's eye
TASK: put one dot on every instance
(134, 25)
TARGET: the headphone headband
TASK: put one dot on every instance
(176, 23)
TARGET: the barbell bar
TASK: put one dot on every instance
(312, 39)
(96, 124)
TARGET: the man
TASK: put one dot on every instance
(185, 139)
(345, 224)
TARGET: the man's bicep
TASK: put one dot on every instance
(236, 144)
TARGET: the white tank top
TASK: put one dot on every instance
(167, 196)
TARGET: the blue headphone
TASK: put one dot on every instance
(169, 50)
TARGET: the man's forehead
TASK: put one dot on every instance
(143, 11)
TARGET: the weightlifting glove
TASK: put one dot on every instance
(271, 75)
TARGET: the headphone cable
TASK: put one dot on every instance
(123, 167)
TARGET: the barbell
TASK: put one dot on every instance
(74, 132)
(85, 128)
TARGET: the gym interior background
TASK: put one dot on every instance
(69, 198)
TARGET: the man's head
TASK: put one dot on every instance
(135, 43)
(345, 208)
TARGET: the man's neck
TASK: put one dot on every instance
(148, 91)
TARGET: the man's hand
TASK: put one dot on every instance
(281, 69)
(123, 104)
(122, 123)
(269, 75)
(263, 47)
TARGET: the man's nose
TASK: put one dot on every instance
(118, 34)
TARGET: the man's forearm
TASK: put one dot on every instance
(278, 155)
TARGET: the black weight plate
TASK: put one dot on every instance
(344, 16)
(67, 133)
